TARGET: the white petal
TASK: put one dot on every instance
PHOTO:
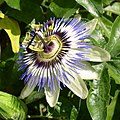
(87, 72)
(52, 96)
(26, 91)
(76, 85)
(97, 54)
(91, 25)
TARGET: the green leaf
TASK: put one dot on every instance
(1, 1)
(111, 107)
(29, 10)
(114, 71)
(63, 8)
(11, 107)
(107, 2)
(1, 15)
(106, 25)
(67, 109)
(113, 45)
(35, 95)
(13, 31)
(74, 113)
(98, 38)
(115, 8)
(94, 7)
(98, 97)
(13, 4)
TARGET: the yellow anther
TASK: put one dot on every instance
(52, 37)
(37, 26)
(51, 27)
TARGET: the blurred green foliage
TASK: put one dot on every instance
(103, 99)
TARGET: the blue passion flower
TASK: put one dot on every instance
(56, 52)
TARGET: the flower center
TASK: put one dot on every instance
(52, 50)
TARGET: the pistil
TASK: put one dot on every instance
(40, 35)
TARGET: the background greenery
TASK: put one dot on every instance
(103, 99)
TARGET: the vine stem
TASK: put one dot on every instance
(48, 117)
(39, 116)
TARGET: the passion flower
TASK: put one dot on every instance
(56, 52)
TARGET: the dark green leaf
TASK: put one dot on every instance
(62, 8)
(9, 76)
(1, 1)
(13, 4)
(94, 7)
(98, 97)
(67, 110)
(111, 107)
(113, 45)
(29, 11)
(11, 107)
